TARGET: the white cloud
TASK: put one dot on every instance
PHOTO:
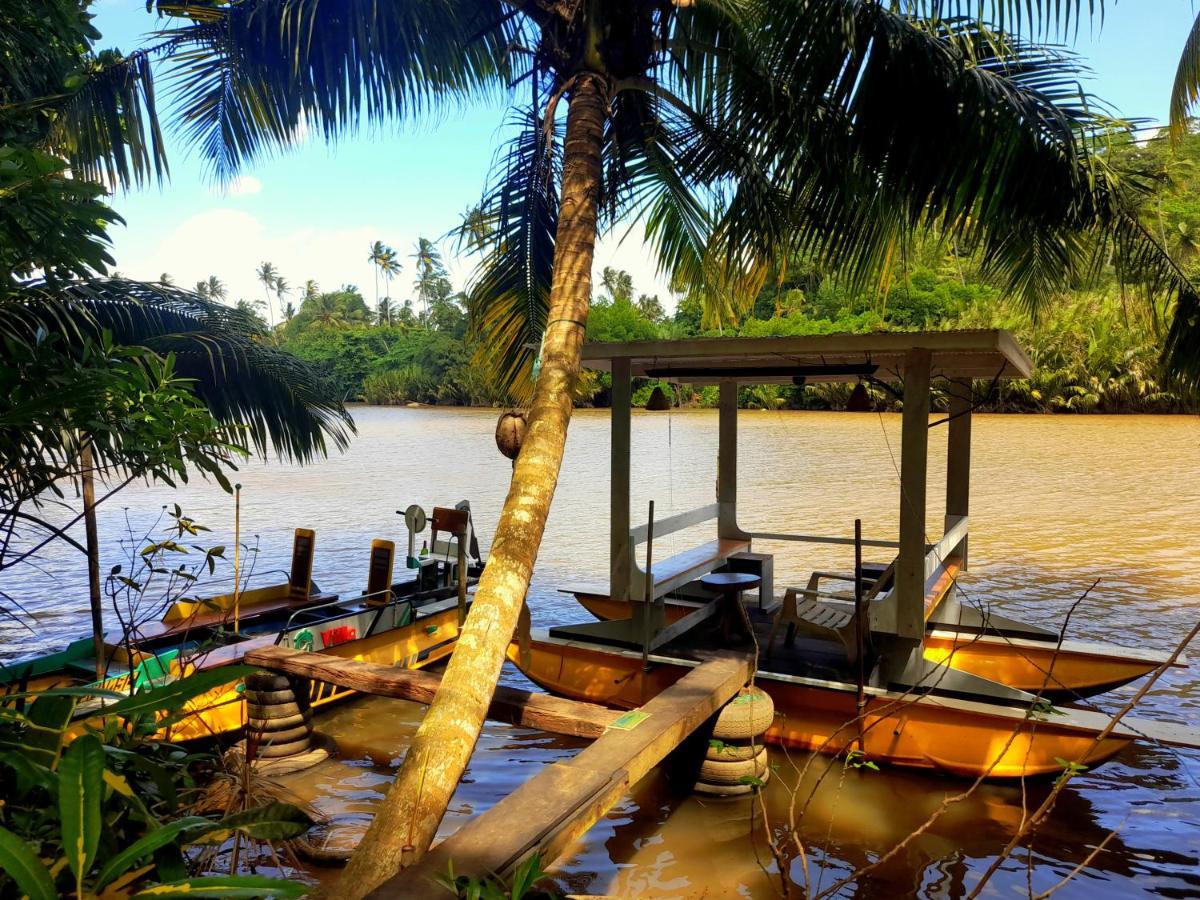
(232, 243)
(241, 186)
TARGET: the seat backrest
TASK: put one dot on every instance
(379, 572)
(300, 579)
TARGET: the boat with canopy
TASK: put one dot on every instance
(889, 657)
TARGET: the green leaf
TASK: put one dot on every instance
(170, 698)
(273, 822)
(228, 886)
(80, 790)
(19, 862)
(46, 723)
(150, 842)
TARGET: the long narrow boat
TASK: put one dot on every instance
(410, 623)
(943, 685)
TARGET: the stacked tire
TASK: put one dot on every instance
(278, 715)
(736, 760)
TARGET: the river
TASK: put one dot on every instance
(1057, 504)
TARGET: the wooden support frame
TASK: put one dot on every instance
(516, 707)
(557, 806)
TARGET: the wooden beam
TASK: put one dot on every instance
(958, 456)
(558, 805)
(619, 551)
(516, 707)
(914, 464)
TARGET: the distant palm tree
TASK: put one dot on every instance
(267, 273)
(429, 270)
(202, 289)
(379, 252)
(289, 312)
(165, 278)
(282, 289)
(390, 267)
(383, 312)
(311, 289)
(216, 289)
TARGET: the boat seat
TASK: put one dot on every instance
(802, 609)
(676, 571)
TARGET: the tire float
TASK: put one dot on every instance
(736, 751)
(279, 724)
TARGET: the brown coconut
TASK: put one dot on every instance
(510, 432)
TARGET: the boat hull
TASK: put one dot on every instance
(957, 737)
(1068, 670)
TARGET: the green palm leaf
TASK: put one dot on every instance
(284, 403)
(1186, 90)
(80, 788)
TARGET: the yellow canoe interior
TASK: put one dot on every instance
(957, 737)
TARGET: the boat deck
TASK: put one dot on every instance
(806, 656)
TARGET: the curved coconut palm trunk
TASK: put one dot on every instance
(409, 816)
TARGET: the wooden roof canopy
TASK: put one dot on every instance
(980, 353)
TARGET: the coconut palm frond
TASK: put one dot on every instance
(108, 129)
(510, 293)
(283, 402)
(1036, 17)
(1186, 90)
(253, 77)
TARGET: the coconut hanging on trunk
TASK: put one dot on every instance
(510, 432)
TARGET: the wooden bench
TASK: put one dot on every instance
(678, 570)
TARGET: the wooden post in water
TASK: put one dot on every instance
(87, 487)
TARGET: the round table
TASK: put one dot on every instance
(730, 586)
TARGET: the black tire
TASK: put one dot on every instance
(733, 751)
(729, 790)
(283, 735)
(266, 681)
(257, 723)
(274, 711)
(747, 715)
(731, 772)
(291, 748)
(270, 698)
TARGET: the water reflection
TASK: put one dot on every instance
(1057, 502)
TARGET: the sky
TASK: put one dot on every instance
(314, 210)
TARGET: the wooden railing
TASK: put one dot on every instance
(674, 523)
(949, 547)
(817, 539)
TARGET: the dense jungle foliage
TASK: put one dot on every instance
(1095, 350)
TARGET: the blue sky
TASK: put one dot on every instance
(313, 211)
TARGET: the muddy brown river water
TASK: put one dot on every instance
(1057, 503)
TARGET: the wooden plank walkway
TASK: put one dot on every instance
(516, 707)
(557, 806)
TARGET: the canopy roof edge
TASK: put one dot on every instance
(984, 353)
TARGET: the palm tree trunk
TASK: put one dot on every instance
(87, 478)
(409, 816)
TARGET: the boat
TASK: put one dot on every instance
(887, 659)
(411, 623)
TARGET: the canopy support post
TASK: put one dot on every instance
(727, 464)
(620, 553)
(958, 457)
(914, 464)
